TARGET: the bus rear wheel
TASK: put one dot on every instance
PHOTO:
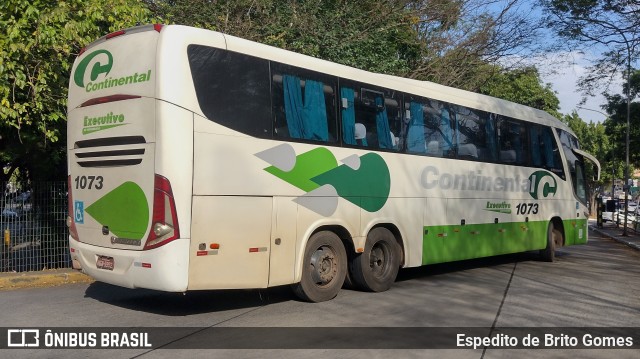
(324, 268)
(376, 268)
(553, 236)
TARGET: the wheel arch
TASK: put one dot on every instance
(398, 237)
(558, 224)
(341, 232)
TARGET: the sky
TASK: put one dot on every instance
(563, 80)
(563, 69)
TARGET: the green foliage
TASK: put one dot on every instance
(523, 86)
(608, 27)
(616, 124)
(38, 43)
(372, 35)
(594, 139)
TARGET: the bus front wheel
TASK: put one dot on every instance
(376, 268)
(553, 236)
(324, 268)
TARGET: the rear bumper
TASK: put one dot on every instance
(164, 268)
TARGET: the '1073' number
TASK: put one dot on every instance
(89, 182)
(527, 208)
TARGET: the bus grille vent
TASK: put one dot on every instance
(110, 151)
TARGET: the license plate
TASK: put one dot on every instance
(104, 262)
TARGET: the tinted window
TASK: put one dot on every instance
(575, 163)
(303, 104)
(513, 142)
(544, 150)
(476, 135)
(371, 116)
(232, 89)
(430, 127)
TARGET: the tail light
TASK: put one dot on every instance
(164, 223)
(71, 223)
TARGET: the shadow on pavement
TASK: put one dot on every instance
(427, 271)
(189, 303)
(196, 302)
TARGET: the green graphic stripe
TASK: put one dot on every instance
(124, 210)
(308, 165)
(367, 187)
(452, 243)
(88, 130)
(507, 211)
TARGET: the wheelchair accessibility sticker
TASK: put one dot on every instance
(78, 212)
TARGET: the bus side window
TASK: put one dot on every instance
(476, 134)
(513, 142)
(303, 105)
(370, 117)
(429, 129)
(446, 119)
(545, 151)
(232, 89)
(416, 141)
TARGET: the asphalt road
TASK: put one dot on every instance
(594, 285)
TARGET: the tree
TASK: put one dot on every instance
(444, 41)
(523, 86)
(474, 40)
(611, 26)
(616, 124)
(38, 42)
(594, 139)
(371, 35)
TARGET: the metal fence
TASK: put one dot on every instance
(33, 222)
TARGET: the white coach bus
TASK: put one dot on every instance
(199, 160)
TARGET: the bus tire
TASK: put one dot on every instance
(324, 268)
(549, 253)
(376, 268)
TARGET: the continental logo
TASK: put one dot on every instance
(364, 180)
(95, 124)
(92, 73)
(543, 184)
(540, 184)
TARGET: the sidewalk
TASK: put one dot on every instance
(45, 278)
(612, 231)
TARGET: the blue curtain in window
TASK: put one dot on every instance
(314, 117)
(535, 143)
(348, 117)
(382, 125)
(445, 130)
(517, 141)
(490, 128)
(548, 148)
(293, 106)
(415, 137)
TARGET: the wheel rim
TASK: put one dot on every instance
(323, 265)
(379, 259)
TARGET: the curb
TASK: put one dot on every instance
(633, 245)
(45, 278)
